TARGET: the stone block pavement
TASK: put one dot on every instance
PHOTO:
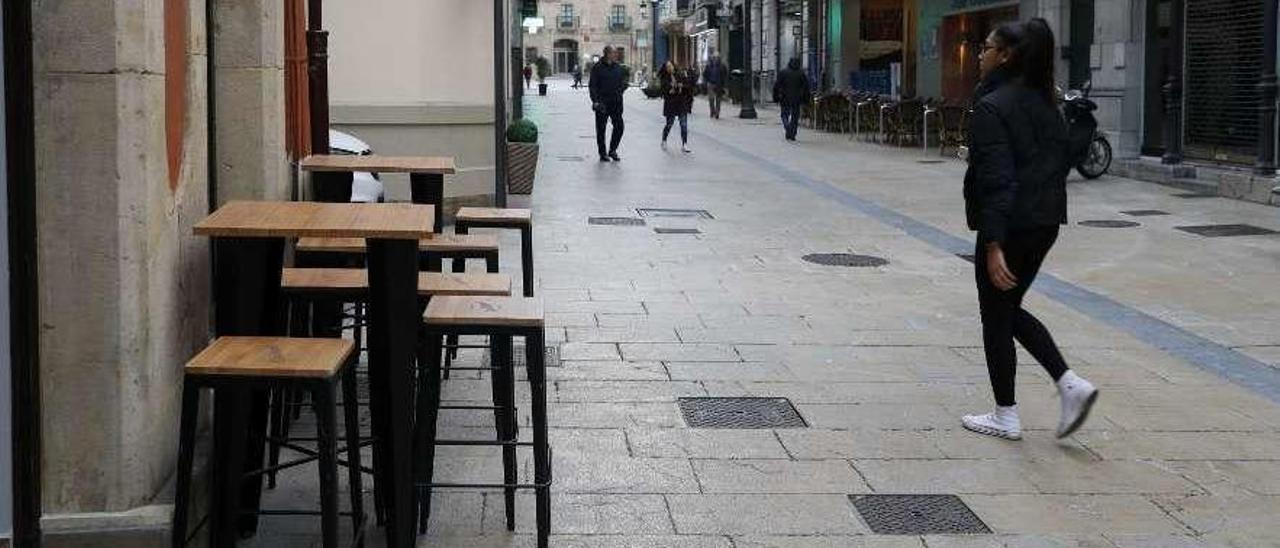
(880, 362)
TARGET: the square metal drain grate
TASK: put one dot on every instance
(667, 212)
(663, 230)
(918, 515)
(615, 221)
(740, 413)
(1218, 231)
(1144, 212)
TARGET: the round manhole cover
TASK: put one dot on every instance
(845, 259)
(1109, 224)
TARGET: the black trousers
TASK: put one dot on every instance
(1003, 318)
(610, 114)
(790, 119)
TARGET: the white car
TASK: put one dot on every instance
(365, 187)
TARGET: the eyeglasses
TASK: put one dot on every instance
(988, 47)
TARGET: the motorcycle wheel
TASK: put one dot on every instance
(1097, 161)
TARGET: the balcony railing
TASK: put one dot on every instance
(618, 23)
(567, 23)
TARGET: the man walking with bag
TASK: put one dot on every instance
(607, 83)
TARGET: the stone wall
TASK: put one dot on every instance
(124, 288)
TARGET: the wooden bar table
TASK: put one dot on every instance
(249, 240)
(331, 176)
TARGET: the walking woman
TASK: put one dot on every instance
(677, 102)
(1015, 197)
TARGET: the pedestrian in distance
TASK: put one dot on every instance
(577, 77)
(677, 101)
(713, 77)
(608, 82)
(528, 75)
(790, 91)
(1015, 198)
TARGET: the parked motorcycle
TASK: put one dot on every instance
(1090, 150)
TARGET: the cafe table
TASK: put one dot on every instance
(249, 242)
(331, 176)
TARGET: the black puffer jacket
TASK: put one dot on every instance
(608, 81)
(1017, 162)
(792, 87)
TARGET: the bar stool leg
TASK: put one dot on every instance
(526, 258)
(541, 452)
(425, 436)
(503, 381)
(279, 400)
(351, 421)
(186, 458)
(452, 341)
(327, 447)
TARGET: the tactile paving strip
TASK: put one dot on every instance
(918, 515)
(740, 413)
(845, 259)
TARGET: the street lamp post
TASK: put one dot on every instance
(748, 101)
(1172, 90)
(1266, 165)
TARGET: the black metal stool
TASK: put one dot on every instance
(260, 363)
(500, 319)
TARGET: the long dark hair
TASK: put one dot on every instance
(1031, 54)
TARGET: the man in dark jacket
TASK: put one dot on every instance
(608, 81)
(713, 77)
(790, 91)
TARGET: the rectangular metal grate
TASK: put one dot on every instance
(740, 413)
(918, 515)
(569, 158)
(1194, 195)
(1218, 231)
(667, 212)
(663, 230)
(1144, 212)
(615, 221)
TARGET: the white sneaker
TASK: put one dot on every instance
(664, 145)
(685, 148)
(1078, 396)
(1003, 423)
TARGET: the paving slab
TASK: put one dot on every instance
(764, 514)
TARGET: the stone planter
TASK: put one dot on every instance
(522, 165)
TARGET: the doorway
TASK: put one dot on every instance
(564, 56)
(1159, 25)
(1081, 39)
(962, 37)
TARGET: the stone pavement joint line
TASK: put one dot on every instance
(1197, 350)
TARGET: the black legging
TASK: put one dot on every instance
(1003, 318)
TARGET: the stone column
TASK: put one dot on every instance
(124, 284)
(249, 99)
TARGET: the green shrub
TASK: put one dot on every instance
(522, 131)
(542, 68)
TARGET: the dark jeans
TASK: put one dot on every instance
(791, 119)
(713, 98)
(612, 113)
(684, 128)
(1003, 318)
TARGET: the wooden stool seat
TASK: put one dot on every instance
(272, 357)
(491, 216)
(484, 311)
(440, 243)
(355, 282)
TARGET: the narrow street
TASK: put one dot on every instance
(1179, 331)
(880, 362)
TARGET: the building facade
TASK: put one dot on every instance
(1124, 50)
(574, 33)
